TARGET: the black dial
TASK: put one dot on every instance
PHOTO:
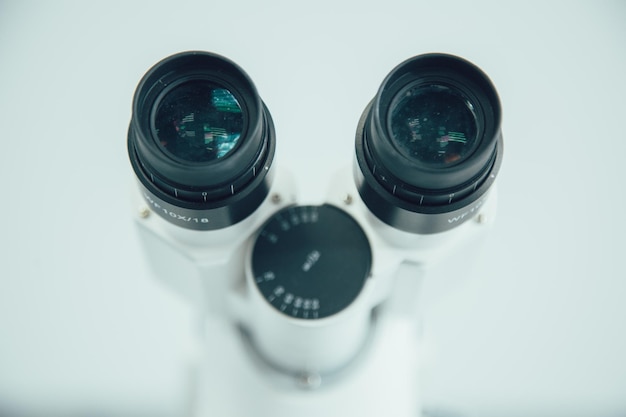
(311, 262)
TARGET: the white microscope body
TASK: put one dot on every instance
(362, 358)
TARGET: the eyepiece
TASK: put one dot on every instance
(201, 141)
(429, 145)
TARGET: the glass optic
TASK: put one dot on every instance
(433, 124)
(199, 121)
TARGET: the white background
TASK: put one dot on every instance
(539, 330)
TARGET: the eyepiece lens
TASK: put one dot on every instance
(199, 121)
(433, 124)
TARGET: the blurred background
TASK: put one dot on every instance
(539, 327)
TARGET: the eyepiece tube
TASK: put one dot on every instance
(200, 141)
(429, 145)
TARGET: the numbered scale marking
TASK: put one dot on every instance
(310, 262)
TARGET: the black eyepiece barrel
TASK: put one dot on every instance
(201, 141)
(429, 145)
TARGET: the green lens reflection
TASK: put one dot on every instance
(199, 121)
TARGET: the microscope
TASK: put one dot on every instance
(306, 309)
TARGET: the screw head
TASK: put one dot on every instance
(276, 198)
(309, 380)
(143, 212)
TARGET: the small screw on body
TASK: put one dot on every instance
(276, 198)
(481, 218)
(309, 380)
(143, 212)
(348, 199)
